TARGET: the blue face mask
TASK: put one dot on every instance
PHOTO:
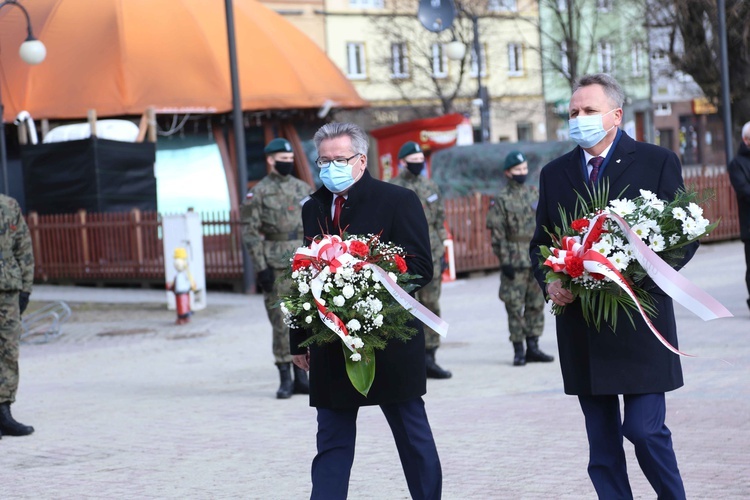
(588, 130)
(337, 179)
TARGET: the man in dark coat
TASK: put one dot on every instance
(597, 366)
(353, 201)
(739, 175)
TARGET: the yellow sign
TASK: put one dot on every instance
(703, 106)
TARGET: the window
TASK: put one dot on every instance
(515, 59)
(639, 56)
(399, 61)
(663, 109)
(604, 54)
(355, 61)
(564, 61)
(439, 61)
(366, 4)
(482, 59)
(604, 5)
(525, 131)
(502, 5)
(562, 5)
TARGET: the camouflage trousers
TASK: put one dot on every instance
(524, 304)
(10, 337)
(429, 296)
(280, 344)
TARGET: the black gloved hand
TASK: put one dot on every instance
(265, 279)
(443, 264)
(508, 271)
(23, 301)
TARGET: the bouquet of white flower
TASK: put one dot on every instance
(600, 255)
(353, 289)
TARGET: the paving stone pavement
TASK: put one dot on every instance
(128, 405)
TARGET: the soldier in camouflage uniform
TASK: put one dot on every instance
(272, 230)
(16, 278)
(512, 219)
(411, 161)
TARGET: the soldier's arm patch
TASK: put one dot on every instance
(432, 198)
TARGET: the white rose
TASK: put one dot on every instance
(308, 319)
(357, 343)
(303, 288)
(338, 301)
(378, 321)
(353, 325)
(348, 291)
(356, 356)
(306, 306)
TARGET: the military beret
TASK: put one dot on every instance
(514, 158)
(409, 148)
(278, 145)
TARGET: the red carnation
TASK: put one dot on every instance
(573, 265)
(358, 249)
(400, 263)
(579, 225)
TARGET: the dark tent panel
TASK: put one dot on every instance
(97, 175)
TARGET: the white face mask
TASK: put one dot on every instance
(588, 130)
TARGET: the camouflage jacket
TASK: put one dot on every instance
(271, 218)
(511, 219)
(432, 202)
(16, 251)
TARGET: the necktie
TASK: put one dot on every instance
(595, 163)
(339, 202)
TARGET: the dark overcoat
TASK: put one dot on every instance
(739, 175)
(372, 207)
(629, 360)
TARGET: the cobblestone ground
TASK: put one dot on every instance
(128, 405)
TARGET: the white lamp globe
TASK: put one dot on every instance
(455, 50)
(32, 51)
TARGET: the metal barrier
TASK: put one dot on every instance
(45, 323)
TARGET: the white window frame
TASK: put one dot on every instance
(366, 4)
(356, 61)
(604, 5)
(502, 5)
(663, 109)
(439, 61)
(482, 59)
(399, 60)
(605, 56)
(515, 59)
(639, 56)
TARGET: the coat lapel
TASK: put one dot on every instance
(619, 161)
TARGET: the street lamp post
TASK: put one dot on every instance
(456, 51)
(32, 51)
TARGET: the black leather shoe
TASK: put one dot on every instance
(519, 357)
(533, 353)
(433, 369)
(9, 426)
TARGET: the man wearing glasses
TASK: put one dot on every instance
(352, 201)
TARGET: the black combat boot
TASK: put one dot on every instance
(533, 353)
(433, 369)
(9, 426)
(301, 383)
(287, 386)
(519, 358)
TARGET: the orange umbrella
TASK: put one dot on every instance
(121, 56)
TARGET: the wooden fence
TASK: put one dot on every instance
(127, 247)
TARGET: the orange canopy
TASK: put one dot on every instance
(121, 56)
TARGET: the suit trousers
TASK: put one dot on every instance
(337, 431)
(643, 426)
